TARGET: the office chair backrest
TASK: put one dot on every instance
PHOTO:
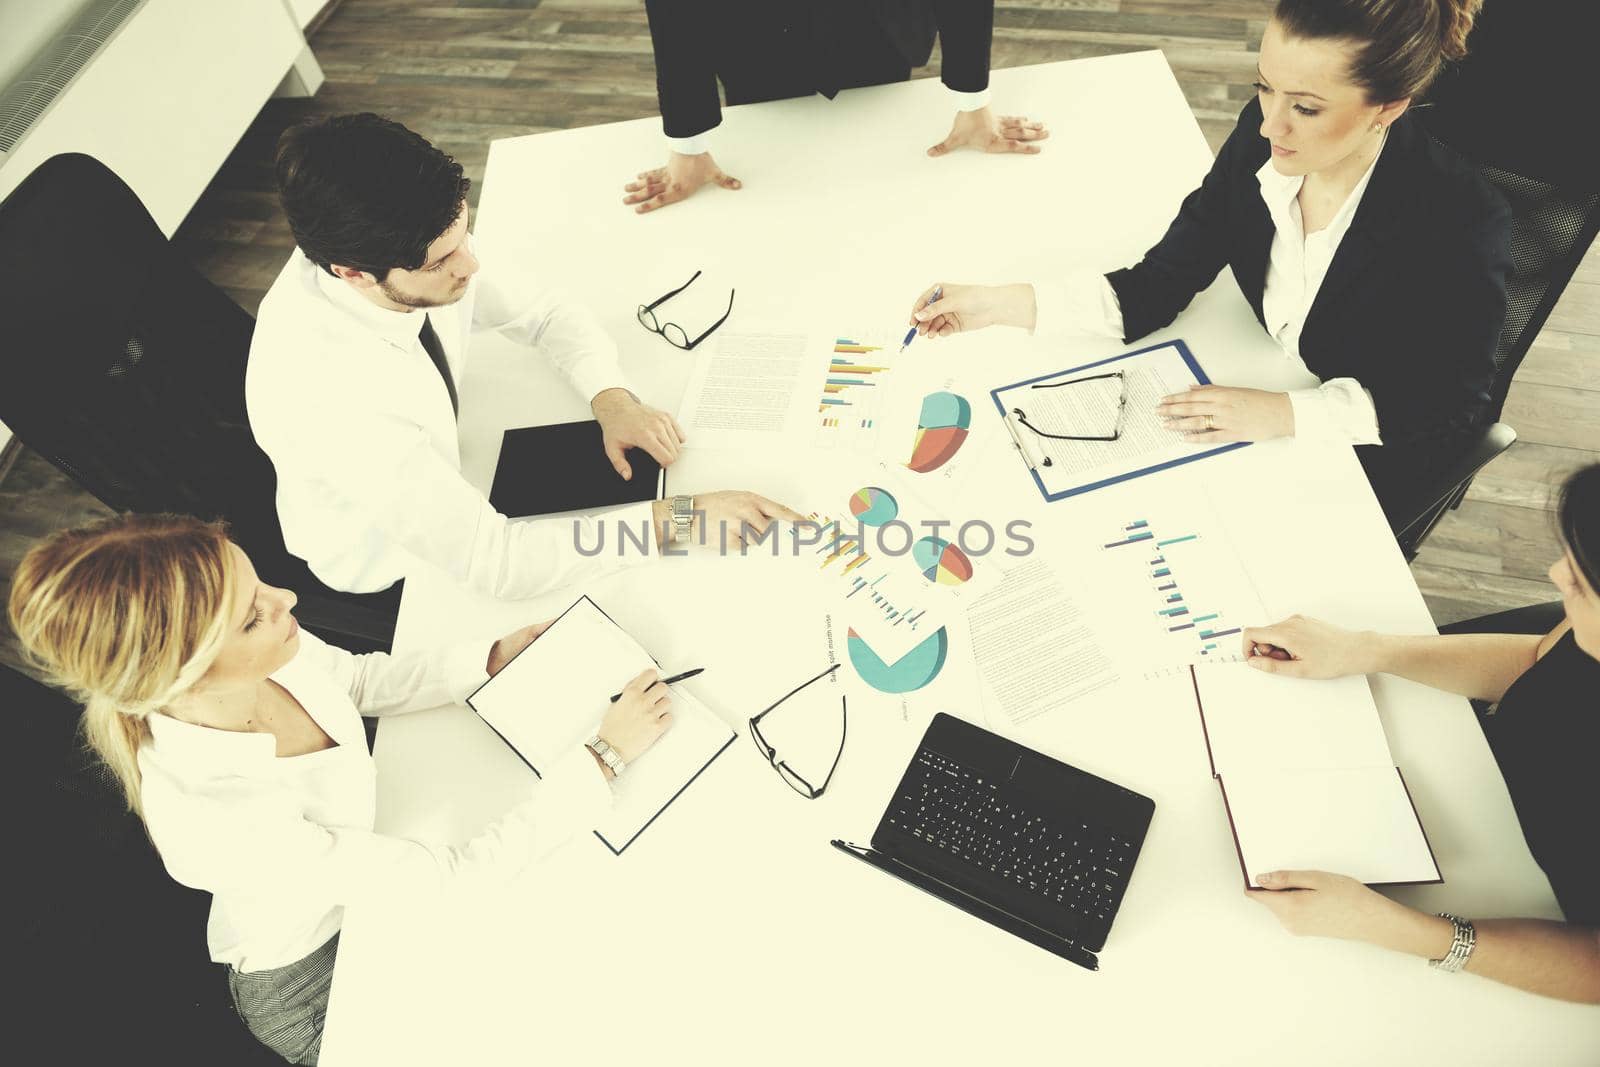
(1505, 109)
(125, 368)
(1552, 227)
(121, 365)
(113, 949)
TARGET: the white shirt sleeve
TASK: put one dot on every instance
(568, 332)
(388, 470)
(690, 146)
(261, 847)
(970, 101)
(1338, 410)
(381, 683)
(1080, 304)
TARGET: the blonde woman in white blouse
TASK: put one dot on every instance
(1373, 257)
(238, 739)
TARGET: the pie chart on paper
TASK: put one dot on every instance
(907, 674)
(873, 506)
(941, 428)
(941, 562)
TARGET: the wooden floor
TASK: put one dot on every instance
(464, 72)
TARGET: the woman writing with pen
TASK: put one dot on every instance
(238, 740)
(1376, 260)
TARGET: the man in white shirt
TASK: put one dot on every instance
(351, 382)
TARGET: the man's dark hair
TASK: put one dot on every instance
(365, 192)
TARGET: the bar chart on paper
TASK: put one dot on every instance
(897, 608)
(1181, 594)
(853, 399)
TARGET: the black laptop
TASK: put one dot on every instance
(1025, 842)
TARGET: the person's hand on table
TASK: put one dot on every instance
(638, 718)
(1308, 648)
(1224, 414)
(625, 423)
(964, 308)
(1319, 904)
(505, 650)
(676, 181)
(984, 130)
(731, 510)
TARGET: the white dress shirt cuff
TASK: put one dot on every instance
(1337, 411)
(593, 377)
(690, 146)
(1080, 304)
(465, 666)
(970, 101)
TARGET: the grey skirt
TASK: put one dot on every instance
(286, 1006)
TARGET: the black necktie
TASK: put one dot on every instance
(430, 341)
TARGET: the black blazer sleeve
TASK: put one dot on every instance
(682, 33)
(1194, 249)
(966, 34)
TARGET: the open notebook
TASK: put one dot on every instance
(548, 699)
(1307, 779)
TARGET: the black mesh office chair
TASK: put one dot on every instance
(1500, 110)
(109, 953)
(125, 368)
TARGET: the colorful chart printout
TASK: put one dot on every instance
(908, 673)
(852, 373)
(941, 428)
(873, 506)
(1177, 568)
(941, 562)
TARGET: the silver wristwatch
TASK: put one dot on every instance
(607, 754)
(1460, 946)
(682, 518)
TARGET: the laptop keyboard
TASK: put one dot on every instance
(1060, 860)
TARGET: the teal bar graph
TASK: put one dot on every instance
(1174, 579)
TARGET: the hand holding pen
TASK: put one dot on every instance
(926, 302)
(947, 309)
(667, 681)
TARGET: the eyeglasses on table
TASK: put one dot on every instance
(1115, 415)
(792, 778)
(675, 335)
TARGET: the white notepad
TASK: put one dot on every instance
(1307, 777)
(550, 697)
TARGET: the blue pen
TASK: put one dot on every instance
(911, 334)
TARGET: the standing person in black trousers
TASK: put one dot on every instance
(1375, 259)
(775, 49)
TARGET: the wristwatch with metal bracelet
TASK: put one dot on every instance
(682, 518)
(607, 754)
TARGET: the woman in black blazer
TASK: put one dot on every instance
(1365, 250)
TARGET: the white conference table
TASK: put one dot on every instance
(731, 932)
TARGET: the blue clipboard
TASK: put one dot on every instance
(1194, 368)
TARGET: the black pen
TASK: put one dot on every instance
(668, 681)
